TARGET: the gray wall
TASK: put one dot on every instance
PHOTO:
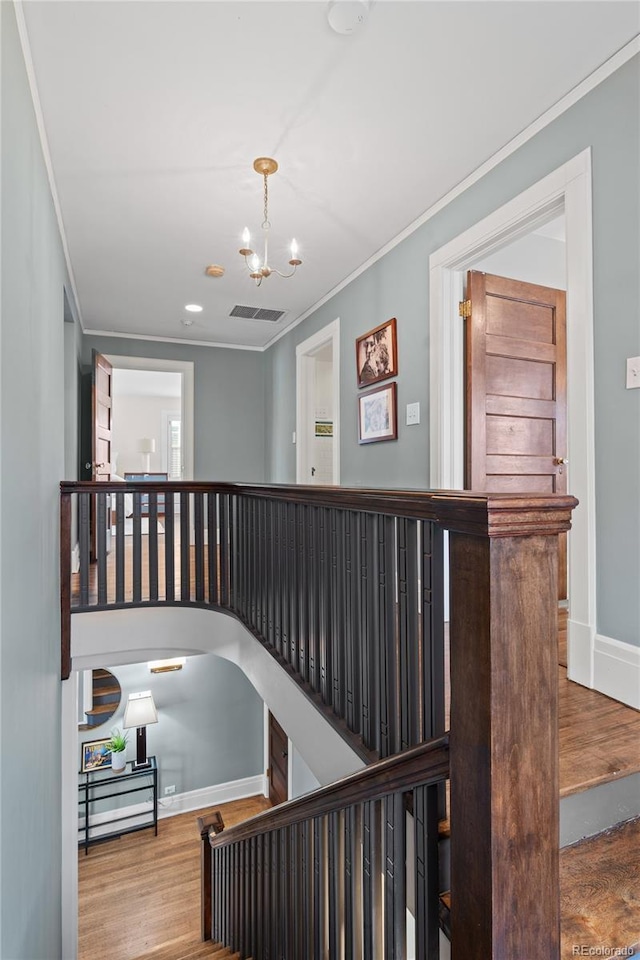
(32, 421)
(210, 722)
(398, 286)
(229, 402)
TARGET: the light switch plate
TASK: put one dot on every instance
(413, 413)
(633, 372)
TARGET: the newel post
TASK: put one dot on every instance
(504, 730)
(208, 825)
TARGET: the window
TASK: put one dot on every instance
(174, 447)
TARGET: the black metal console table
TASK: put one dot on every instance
(100, 785)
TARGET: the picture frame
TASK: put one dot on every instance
(96, 755)
(377, 354)
(324, 428)
(378, 414)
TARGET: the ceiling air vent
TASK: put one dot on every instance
(257, 313)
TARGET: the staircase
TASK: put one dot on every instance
(106, 695)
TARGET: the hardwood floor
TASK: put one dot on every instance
(141, 891)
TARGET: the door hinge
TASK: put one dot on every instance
(464, 308)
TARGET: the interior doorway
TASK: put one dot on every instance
(318, 407)
(153, 422)
(566, 191)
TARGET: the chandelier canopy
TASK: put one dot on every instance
(260, 268)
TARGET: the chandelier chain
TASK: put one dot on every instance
(266, 203)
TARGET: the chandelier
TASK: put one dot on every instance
(260, 268)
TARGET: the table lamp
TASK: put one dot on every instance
(140, 711)
(146, 446)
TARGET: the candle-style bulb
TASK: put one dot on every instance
(255, 262)
(294, 249)
(246, 236)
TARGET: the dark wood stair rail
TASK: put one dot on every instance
(272, 570)
(305, 879)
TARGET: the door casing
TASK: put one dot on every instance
(304, 399)
(567, 189)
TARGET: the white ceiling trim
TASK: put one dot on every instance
(183, 343)
(598, 76)
(44, 143)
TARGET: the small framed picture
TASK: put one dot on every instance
(96, 755)
(377, 354)
(378, 414)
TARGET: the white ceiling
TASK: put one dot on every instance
(155, 111)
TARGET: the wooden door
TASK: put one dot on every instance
(278, 762)
(516, 390)
(101, 411)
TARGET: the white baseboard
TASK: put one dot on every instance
(138, 813)
(580, 653)
(210, 796)
(616, 670)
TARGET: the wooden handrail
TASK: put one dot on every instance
(428, 763)
(465, 511)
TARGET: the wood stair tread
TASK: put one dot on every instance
(599, 892)
(102, 708)
(186, 948)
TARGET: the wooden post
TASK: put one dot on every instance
(207, 824)
(504, 742)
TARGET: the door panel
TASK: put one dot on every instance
(515, 341)
(101, 411)
(278, 762)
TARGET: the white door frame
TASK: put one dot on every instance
(186, 371)
(305, 352)
(568, 188)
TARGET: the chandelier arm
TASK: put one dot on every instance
(285, 276)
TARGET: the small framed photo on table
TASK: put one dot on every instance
(378, 414)
(96, 755)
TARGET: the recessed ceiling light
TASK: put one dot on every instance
(193, 308)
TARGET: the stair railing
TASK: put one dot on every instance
(326, 875)
(344, 587)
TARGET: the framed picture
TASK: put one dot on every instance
(96, 755)
(378, 414)
(324, 428)
(377, 354)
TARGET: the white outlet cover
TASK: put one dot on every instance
(633, 372)
(413, 413)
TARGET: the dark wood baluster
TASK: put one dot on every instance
(369, 631)
(265, 571)
(371, 880)
(312, 614)
(233, 551)
(84, 538)
(337, 612)
(386, 618)
(409, 636)
(395, 897)
(292, 597)
(101, 546)
(433, 629)
(258, 945)
(350, 882)
(277, 907)
(324, 604)
(243, 898)
(198, 519)
(169, 548)
(269, 579)
(425, 818)
(320, 904)
(152, 541)
(223, 506)
(120, 574)
(353, 678)
(65, 586)
(259, 546)
(252, 883)
(207, 887)
(287, 893)
(216, 905)
(185, 547)
(224, 896)
(212, 529)
(334, 868)
(137, 547)
(302, 592)
(267, 904)
(305, 942)
(234, 941)
(284, 581)
(276, 576)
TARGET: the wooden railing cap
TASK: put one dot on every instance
(462, 511)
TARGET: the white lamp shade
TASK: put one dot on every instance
(140, 710)
(147, 445)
